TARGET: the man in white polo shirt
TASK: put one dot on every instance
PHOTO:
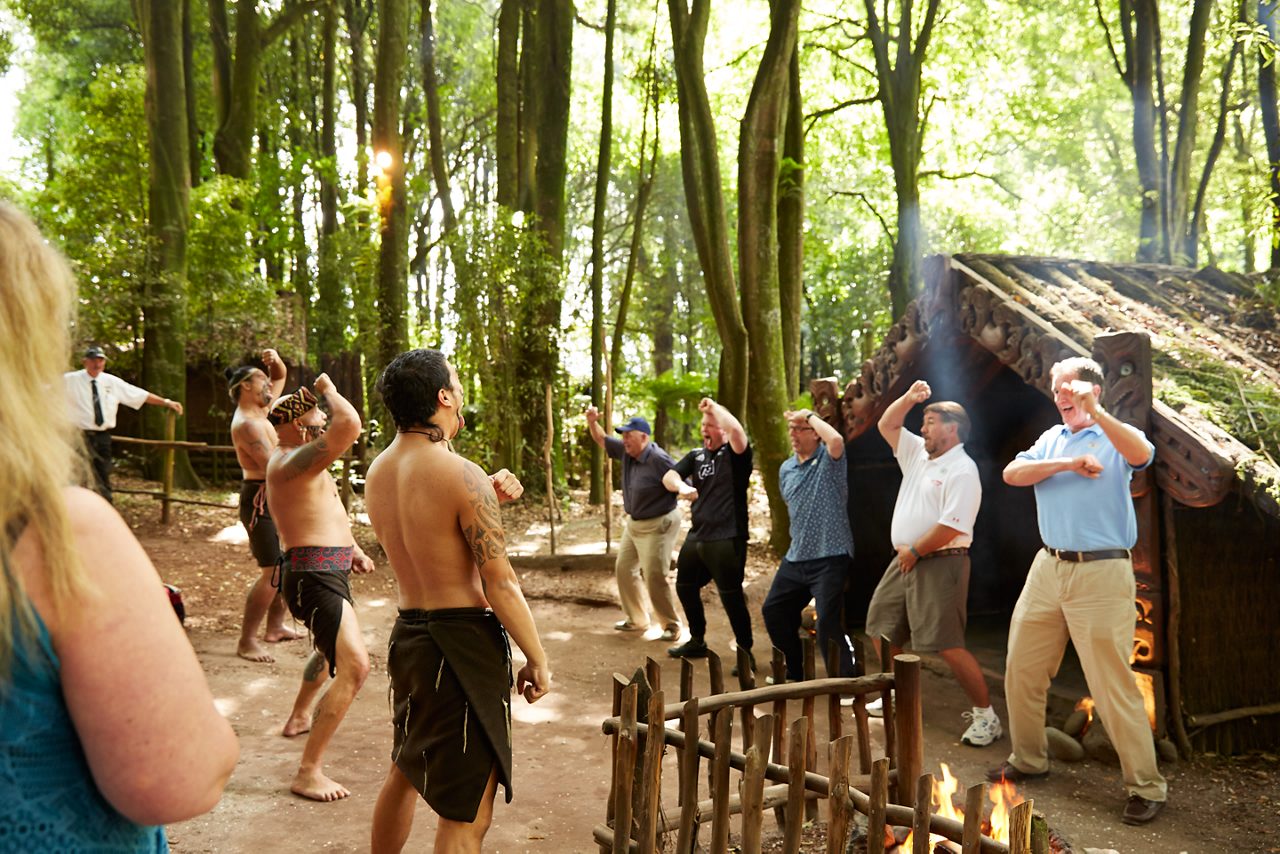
(922, 596)
(94, 396)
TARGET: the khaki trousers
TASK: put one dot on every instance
(1093, 604)
(645, 550)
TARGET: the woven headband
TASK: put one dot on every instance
(291, 407)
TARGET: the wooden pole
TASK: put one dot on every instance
(906, 677)
(795, 795)
(747, 681)
(779, 671)
(722, 724)
(170, 428)
(715, 670)
(653, 672)
(687, 839)
(550, 467)
(751, 791)
(924, 809)
(619, 685)
(1173, 626)
(608, 460)
(840, 754)
(651, 791)
(879, 802)
(808, 709)
(973, 800)
(862, 727)
(623, 771)
(1020, 828)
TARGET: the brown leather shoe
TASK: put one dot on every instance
(1013, 774)
(1139, 810)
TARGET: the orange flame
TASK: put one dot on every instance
(1003, 796)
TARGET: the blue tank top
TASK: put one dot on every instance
(48, 800)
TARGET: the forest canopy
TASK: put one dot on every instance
(651, 202)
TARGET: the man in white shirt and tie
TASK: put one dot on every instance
(94, 396)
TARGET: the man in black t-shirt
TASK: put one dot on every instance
(714, 477)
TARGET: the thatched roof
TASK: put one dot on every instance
(1215, 354)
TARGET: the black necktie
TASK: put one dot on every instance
(97, 404)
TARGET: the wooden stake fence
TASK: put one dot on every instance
(636, 821)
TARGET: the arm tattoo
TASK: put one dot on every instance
(303, 459)
(485, 534)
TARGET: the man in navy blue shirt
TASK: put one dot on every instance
(1081, 585)
(814, 484)
(651, 527)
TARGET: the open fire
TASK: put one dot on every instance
(1003, 796)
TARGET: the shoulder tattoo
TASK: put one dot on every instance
(303, 459)
(484, 534)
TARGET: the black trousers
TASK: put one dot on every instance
(99, 444)
(721, 561)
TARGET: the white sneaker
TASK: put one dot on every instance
(876, 707)
(984, 727)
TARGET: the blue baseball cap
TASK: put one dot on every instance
(636, 423)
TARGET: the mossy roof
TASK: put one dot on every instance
(1215, 342)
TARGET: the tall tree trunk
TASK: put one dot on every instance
(164, 367)
(194, 152)
(393, 328)
(662, 307)
(900, 99)
(357, 19)
(330, 322)
(1177, 201)
(600, 202)
(508, 90)
(704, 197)
(1195, 220)
(1270, 120)
(435, 131)
(758, 256)
(791, 229)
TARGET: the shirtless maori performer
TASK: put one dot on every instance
(320, 554)
(254, 439)
(436, 515)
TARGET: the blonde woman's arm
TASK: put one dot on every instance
(158, 748)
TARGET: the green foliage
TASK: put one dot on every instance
(1245, 405)
(678, 394)
(231, 308)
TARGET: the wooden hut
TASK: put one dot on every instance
(1193, 359)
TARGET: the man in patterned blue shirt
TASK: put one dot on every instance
(815, 485)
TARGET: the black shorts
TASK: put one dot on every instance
(450, 675)
(264, 542)
(315, 581)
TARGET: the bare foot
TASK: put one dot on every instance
(296, 725)
(318, 787)
(253, 651)
(280, 634)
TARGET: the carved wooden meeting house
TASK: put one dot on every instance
(1193, 359)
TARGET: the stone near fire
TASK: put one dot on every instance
(1075, 723)
(1098, 744)
(1063, 746)
(1167, 750)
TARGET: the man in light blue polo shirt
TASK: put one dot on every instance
(1081, 585)
(814, 484)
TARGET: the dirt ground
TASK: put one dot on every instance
(561, 756)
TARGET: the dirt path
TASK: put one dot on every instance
(561, 761)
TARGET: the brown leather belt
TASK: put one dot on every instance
(943, 553)
(1083, 557)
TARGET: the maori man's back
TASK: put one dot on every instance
(436, 516)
